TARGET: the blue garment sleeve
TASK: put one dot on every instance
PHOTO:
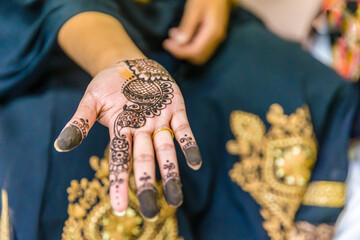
(29, 31)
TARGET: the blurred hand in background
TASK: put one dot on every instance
(201, 30)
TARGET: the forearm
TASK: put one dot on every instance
(96, 41)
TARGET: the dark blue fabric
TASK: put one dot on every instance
(33, 173)
(29, 30)
(28, 35)
(23, 161)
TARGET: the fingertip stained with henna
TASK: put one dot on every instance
(148, 204)
(72, 136)
(173, 192)
(68, 139)
(192, 151)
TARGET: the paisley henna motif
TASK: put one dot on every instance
(149, 88)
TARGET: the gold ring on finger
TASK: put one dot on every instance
(165, 128)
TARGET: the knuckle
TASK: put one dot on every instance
(95, 99)
(126, 132)
(180, 111)
(143, 157)
(140, 133)
(88, 100)
(182, 127)
(91, 95)
(164, 147)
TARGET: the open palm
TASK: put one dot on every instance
(135, 99)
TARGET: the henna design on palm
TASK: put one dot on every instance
(149, 88)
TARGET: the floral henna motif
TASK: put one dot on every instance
(146, 69)
(120, 158)
(187, 142)
(83, 125)
(73, 135)
(191, 150)
(170, 168)
(149, 87)
(129, 118)
(145, 185)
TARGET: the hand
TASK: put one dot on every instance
(202, 28)
(134, 99)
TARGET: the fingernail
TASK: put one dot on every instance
(119, 214)
(148, 204)
(69, 138)
(180, 38)
(193, 156)
(173, 192)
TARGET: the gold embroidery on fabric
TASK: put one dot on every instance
(325, 194)
(4, 219)
(275, 166)
(91, 217)
(307, 231)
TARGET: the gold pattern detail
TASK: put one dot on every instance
(91, 216)
(325, 194)
(275, 166)
(308, 231)
(4, 219)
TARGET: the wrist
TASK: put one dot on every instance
(113, 58)
(96, 41)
